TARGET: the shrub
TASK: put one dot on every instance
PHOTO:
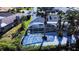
(6, 45)
(22, 11)
(23, 18)
(30, 48)
(26, 23)
(10, 45)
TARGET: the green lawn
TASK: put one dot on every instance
(7, 43)
(26, 23)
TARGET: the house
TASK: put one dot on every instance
(5, 9)
(7, 22)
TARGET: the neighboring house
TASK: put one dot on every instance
(5, 9)
(8, 22)
(1, 24)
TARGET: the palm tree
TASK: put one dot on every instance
(44, 38)
(72, 16)
(60, 33)
(45, 14)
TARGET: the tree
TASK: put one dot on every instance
(44, 38)
(72, 16)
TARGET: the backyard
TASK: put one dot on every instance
(11, 40)
(43, 31)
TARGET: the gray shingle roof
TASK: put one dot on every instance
(10, 19)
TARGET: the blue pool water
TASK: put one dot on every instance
(36, 38)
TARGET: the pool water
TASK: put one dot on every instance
(52, 39)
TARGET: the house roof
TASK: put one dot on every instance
(5, 14)
(11, 18)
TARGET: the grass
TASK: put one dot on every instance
(9, 44)
(31, 48)
(8, 35)
(37, 47)
(26, 23)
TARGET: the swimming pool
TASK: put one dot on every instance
(52, 39)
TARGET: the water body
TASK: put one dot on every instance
(51, 38)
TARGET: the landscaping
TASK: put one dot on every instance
(46, 30)
(11, 40)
